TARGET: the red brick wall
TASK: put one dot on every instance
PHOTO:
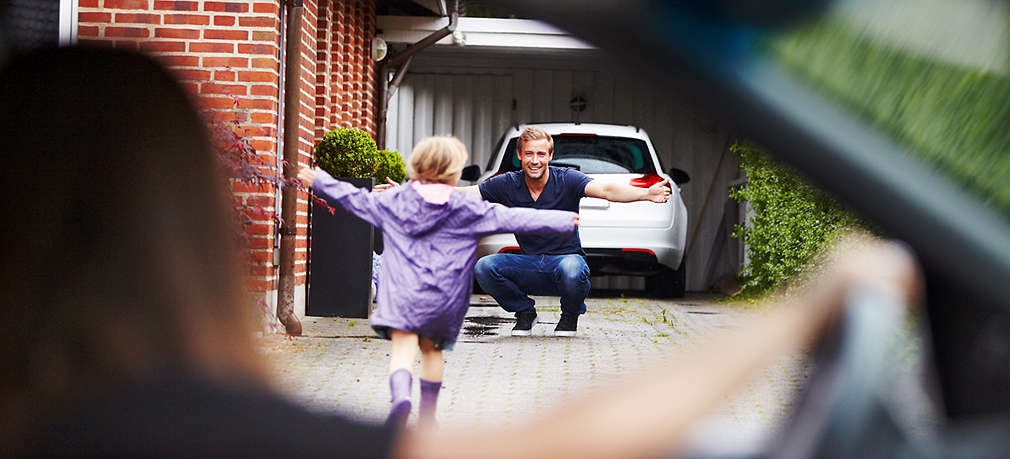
(355, 66)
(228, 53)
(345, 80)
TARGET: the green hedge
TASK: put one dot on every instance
(792, 221)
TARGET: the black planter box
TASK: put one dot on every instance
(340, 260)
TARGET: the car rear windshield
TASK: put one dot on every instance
(592, 154)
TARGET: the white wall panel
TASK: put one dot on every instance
(601, 99)
(443, 108)
(543, 95)
(522, 92)
(660, 129)
(423, 106)
(483, 118)
(404, 117)
(583, 86)
(623, 111)
(561, 94)
(392, 123)
(462, 109)
(502, 106)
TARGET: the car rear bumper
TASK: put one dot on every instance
(627, 251)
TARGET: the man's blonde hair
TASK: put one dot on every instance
(437, 159)
(535, 133)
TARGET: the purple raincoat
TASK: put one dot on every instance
(428, 256)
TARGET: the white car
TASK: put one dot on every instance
(635, 239)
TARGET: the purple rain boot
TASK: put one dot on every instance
(429, 401)
(399, 388)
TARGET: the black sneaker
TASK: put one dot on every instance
(567, 325)
(524, 323)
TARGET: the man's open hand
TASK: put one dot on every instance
(660, 192)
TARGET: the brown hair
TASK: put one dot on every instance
(437, 159)
(122, 264)
(534, 133)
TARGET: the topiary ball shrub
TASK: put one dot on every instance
(390, 165)
(347, 152)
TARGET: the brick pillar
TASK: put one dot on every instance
(324, 61)
(368, 77)
(353, 71)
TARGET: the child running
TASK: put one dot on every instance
(430, 233)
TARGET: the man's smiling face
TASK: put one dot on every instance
(534, 155)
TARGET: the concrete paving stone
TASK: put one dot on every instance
(492, 379)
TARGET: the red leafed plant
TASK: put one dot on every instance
(240, 164)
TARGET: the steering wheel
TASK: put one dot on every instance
(844, 412)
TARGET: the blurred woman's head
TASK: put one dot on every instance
(119, 254)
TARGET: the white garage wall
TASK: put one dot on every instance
(477, 96)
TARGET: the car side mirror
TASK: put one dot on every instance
(470, 173)
(679, 177)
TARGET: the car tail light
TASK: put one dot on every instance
(646, 180)
(509, 249)
(640, 250)
(573, 134)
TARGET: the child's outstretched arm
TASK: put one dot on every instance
(356, 200)
(501, 219)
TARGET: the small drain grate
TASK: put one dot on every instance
(489, 321)
(479, 330)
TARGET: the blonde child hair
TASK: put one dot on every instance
(438, 159)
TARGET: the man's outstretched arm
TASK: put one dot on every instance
(619, 192)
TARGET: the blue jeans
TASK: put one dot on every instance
(510, 278)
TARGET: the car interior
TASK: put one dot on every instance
(901, 110)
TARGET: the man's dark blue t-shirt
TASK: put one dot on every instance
(565, 187)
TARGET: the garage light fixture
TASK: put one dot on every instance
(379, 49)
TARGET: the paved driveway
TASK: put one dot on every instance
(493, 379)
